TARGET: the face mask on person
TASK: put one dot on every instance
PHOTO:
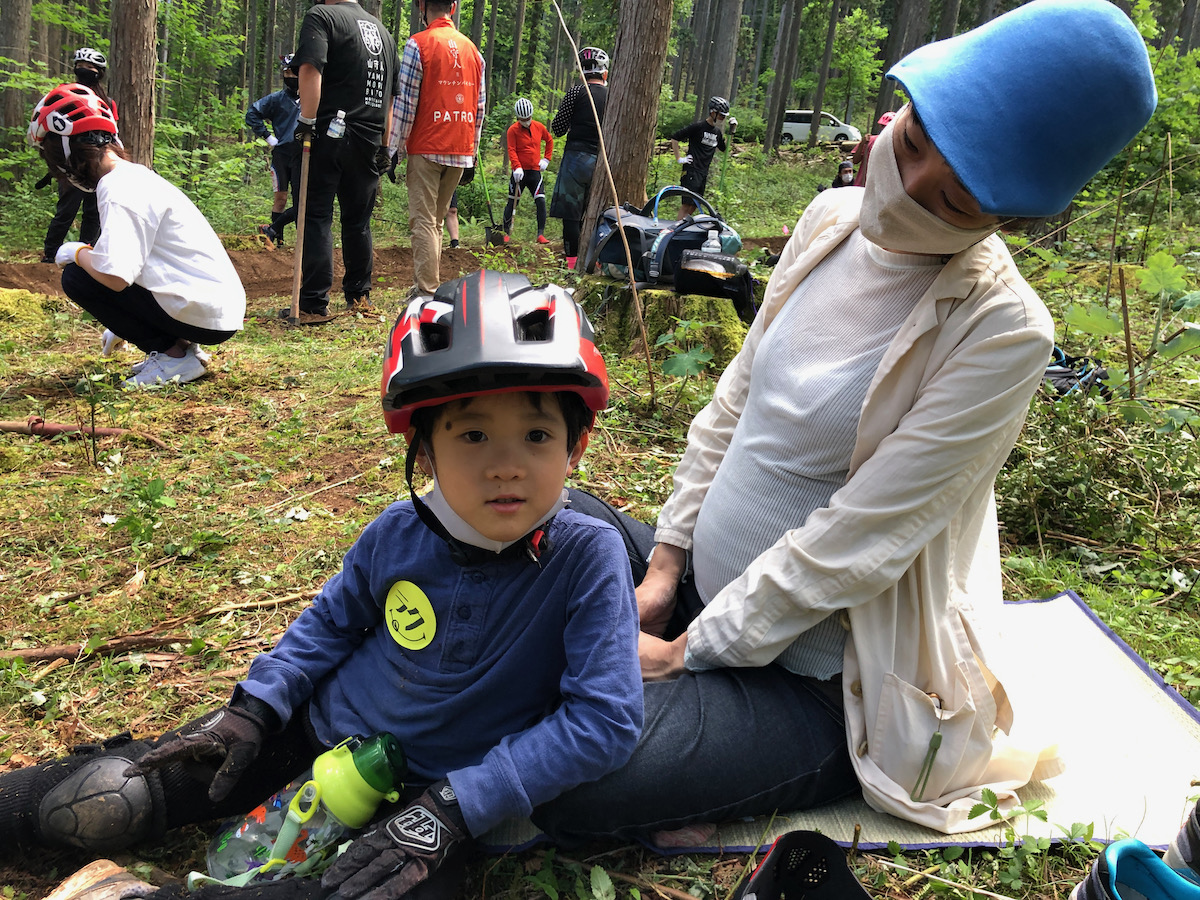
(847, 177)
(292, 85)
(87, 76)
(895, 221)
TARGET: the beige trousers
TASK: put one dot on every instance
(430, 187)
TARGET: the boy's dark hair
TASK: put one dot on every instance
(575, 412)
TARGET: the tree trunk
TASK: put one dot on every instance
(164, 55)
(783, 80)
(131, 75)
(987, 12)
(631, 114)
(906, 34)
(518, 30)
(16, 25)
(271, 43)
(758, 50)
(250, 76)
(478, 8)
(948, 23)
(489, 69)
(708, 53)
(782, 29)
(823, 74)
(726, 27)
(529, 71)
(699, 51)
(1188, 27)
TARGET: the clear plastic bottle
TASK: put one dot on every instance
(337, 127)
(297, 830)
(713, 244)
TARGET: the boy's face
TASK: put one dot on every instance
(501, 461)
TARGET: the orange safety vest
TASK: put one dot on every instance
(451, 72)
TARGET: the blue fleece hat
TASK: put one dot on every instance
(1027, 108)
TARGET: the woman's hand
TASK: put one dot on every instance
(661, 660)
(656, 593)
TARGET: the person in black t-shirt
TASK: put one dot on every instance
(574, 119)
(346, 61)
(704, 139)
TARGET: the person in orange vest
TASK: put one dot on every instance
(437, 117)
(526, 140)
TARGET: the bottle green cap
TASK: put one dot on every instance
(381, 762)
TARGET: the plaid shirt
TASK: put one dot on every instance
(404, 108)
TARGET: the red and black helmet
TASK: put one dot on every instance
(488, 333)
(71, 109)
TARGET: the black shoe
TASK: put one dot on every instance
(320, 312)
(268, 235)
(47, 258)
(453, 243)
(361, 303)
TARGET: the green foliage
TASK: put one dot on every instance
(856, 63)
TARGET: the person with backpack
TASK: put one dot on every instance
(581, 127)
(819, 610)
(530, 147)
(158, 275)
(90, 67)
(704, 139)
(281, 109)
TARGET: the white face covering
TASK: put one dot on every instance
(463, 531)
(895, 221)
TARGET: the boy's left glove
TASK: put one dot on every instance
(544, 164)
(401, 852)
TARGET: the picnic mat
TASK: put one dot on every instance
(1130, 743)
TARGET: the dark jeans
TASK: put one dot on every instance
(70, 199)
(716, 745)
(343, 168)
(532, 182)
(134, 314)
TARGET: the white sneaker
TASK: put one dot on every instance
(195, 349)
(159, 369)
(111, 343)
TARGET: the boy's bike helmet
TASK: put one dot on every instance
(523, 109)
(593, 61)
(719, 105)
(71, 109)
(487, 333)
(285, 61)
(88, 55)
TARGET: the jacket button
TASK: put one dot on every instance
(856, 688)
(862, 749)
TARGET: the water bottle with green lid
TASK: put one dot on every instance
(297, 830)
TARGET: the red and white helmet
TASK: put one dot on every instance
(71, 109)
(488, 333)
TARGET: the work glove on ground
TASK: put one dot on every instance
(401, 852)
(67, 252)
(543, 164)
(233, 733)
(305, 128)
(518, 174)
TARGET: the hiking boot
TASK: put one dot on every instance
(111, 343)
(159, 369)
(268, 236)
(360, 304)
(1184, 853)
(1129, 870)
(542, 239)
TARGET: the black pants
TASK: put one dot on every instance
(70, 199)
(134, 314)
(531, 181)
(285, 163)
(694, 179)
(344, 169)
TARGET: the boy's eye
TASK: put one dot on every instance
(475, 437)
(537, 436)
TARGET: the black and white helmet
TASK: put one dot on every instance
(718, 105)
(593, 61)
(486, 333)
(285, 61)
(95, 57)
(523, 108)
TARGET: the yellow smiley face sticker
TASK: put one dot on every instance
(409, 616)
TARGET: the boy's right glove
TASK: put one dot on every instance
(401, 852)
(234, 732)
(518, 174)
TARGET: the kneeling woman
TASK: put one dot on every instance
(158, 276)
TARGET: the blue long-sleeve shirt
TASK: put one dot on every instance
(281, 109)
(516, 682)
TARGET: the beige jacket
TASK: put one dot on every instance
(907, 549)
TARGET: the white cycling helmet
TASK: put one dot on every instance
(523, 108)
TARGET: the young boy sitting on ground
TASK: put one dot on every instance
(491, 631)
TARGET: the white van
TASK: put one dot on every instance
(797, 122)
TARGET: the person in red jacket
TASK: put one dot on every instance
(530, 146)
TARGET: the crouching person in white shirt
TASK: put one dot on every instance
(158, 276)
